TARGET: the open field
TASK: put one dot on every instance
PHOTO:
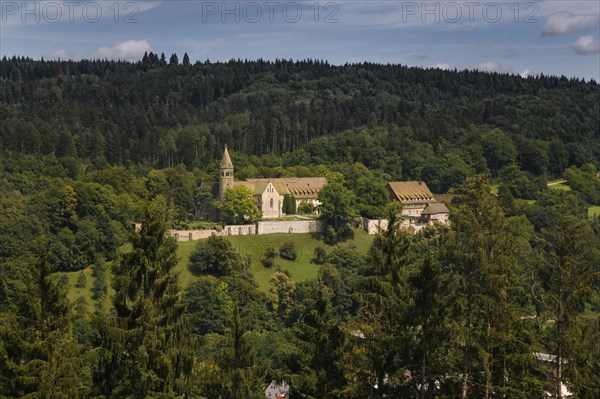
(560, 186)
(301, 269)
(254, 245)
(86, 292)
(594, 211)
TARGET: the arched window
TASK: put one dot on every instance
(271, 202)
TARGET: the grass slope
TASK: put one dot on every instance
(560, 186)
(254, 245)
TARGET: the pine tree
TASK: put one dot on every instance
(485, 275)
(38, 355)
(320, 341)
(245, 377)
(566, 278)
(186, 60)
(429, 319)
(145, 346)
(383, 309)
(234, 372)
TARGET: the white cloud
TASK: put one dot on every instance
(61, 54)
(586, 45)
(488, 66)
(565, 23)
(131, 50)
(525, 73)
(440, 65)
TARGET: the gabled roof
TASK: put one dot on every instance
(299, 187)
(410, 191)
(435, 208)
(303, 187)
(250, 185)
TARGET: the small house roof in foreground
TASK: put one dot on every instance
(410, 191)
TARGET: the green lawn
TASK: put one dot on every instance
(561, 186)
(494, 188)
(75, 293)
(521, 202)
(594, 211)
(301, 269)
(254, 245)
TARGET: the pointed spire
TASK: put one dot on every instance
(226, 161)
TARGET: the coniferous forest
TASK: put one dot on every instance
(502, 303)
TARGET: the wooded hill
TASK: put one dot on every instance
(403, 120)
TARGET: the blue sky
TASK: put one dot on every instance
(520, 37)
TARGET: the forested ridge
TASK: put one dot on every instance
(161, 114)
(456, 311)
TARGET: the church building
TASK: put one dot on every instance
(269, 193)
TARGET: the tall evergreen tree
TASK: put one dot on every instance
(428, 319)
(234, 371)
(481, 254)
(38, 355)
(320, 341)
(146, 348)
(186, 60)
(384, 304)
(173, 61)
(566, 276)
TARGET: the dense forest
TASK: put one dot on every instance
(88, 147)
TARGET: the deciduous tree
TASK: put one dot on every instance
(239, 206)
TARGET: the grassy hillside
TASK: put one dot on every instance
(254, 245)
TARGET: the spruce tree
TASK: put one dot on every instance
(485, 286)
(38, 356)
(428, 318)
(145, 346)
(384, 303)
(565, 276)
(320, 340)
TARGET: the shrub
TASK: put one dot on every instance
(81, 280)
(288, 251)
(64, 280)
(100, 287)
(320, 256)
(270, 255)
(306, 208)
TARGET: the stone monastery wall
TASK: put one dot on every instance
(292, 226)
(262, 227)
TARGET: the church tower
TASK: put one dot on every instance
(226, 174)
